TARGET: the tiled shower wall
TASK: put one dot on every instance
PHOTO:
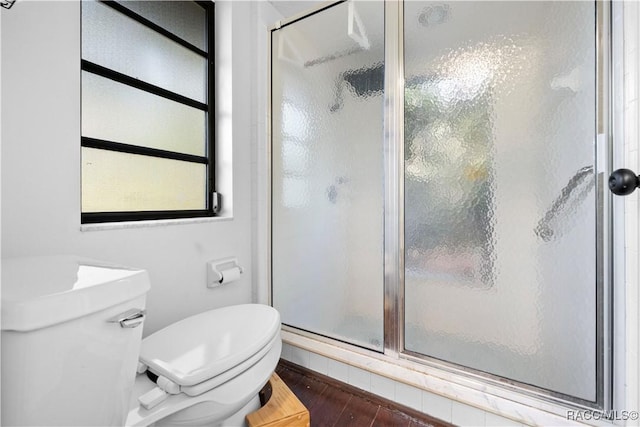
(461, 414)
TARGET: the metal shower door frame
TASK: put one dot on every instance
(394, 213)
(393, 144)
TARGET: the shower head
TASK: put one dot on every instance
(362, 83)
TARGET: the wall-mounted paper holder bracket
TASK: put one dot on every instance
(222, 271)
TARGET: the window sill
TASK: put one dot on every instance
(151, 223)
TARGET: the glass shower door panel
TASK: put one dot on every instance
(500, 208)
(327, 169)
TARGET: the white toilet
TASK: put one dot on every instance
(73, 354)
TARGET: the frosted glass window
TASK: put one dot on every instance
(116, 112)
(116, 182)
(500, 269)
(119, 43)
(187, 20)
(147, 135)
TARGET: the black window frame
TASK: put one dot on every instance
(212, 206)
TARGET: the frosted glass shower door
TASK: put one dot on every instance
(327, 172)
(500, 190)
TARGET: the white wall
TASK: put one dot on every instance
(41, 163)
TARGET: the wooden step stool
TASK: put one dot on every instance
(283, 409)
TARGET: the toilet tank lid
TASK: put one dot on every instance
(205, 345)
(41, 291)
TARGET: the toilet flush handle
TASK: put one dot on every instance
(129, 319)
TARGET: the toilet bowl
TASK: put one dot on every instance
(73, 353)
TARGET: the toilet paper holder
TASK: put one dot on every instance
(222, 271)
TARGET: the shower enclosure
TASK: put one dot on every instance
(436, 186)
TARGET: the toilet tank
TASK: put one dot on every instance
(67, 360)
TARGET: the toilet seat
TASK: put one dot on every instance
(222, 356)
(207, 385)
(195, 351)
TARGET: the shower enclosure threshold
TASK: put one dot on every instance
(346, 363)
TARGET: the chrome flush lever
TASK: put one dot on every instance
(129, 319)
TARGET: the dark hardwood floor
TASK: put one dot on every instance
(332, 403)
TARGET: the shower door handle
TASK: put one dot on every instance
(623, 182)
